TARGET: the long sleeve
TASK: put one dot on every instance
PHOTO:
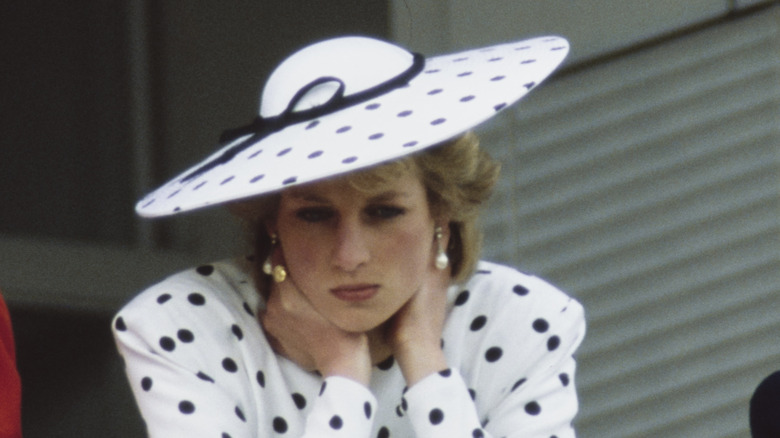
(200, 366)
(514, 338)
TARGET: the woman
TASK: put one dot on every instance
(364, 311)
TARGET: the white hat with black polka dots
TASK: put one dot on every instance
(348, 103)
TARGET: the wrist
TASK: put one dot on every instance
(418, 362)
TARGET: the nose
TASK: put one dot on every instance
(351, 248)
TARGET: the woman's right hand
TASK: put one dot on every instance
(300, 333)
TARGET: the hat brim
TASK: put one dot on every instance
(453, 94)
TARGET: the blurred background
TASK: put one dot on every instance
(643, 178)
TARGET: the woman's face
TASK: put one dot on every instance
(358, 257)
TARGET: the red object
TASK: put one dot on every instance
(10, 383)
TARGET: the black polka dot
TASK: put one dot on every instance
(260, 376)
(564, 379)
(186, 407)
(283, 152)
(254, 154)
(383, 433)
(227, 180)
(237, 331)
(438, 121)
(498, 58)
(467, 98)
(529, 85)
(464, 74)
(163, 298)
(343, 129)
(434, 70)
(226, 435)
(520, 290)
(185, 335)
(349, 160)
(435, 91)
(499, 106)
(493, 354)
(336, 422)
(436, 416)
(404, 404)
(205, 270)
(372, 106)
(462, 298)
(201, 184)
(478, 323)
(445, 373)
(405, 113)
(410, 144)
(376, 136)
(460, 59)
(497, 78)
(533, 408)
(473, 394)
(290, 180)
(477, 433)
(257, 178)
(146, 383)
(386, 364)
(196, 299)
(313, 124)
(528, 61)
(398, 411)
(299, 400)
(315, 154)
(367, 410)
(280, 425)
(174, 194)
(553, 343)
(240, 414)
(167, 343)
(120, 324)
(322, 388)
(203, 376)
(517, 384)
(248, 310)
(540, 325)
(229, 365)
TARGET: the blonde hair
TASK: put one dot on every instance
(458, 177)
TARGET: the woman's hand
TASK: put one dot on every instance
(297, 331)
(415, 332)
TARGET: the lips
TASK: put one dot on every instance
(355, 293)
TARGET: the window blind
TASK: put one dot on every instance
(648, 186)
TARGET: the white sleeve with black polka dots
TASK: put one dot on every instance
(199, 365)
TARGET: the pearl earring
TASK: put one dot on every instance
(278, 272)
(441, 256)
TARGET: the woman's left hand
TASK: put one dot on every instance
(415, 332)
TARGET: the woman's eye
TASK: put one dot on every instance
(384, 211)
(314, 214)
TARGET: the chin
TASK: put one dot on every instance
(355, 324)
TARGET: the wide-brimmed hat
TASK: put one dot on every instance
(348, 103)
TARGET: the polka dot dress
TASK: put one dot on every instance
(200, 366)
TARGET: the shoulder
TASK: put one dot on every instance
(502, 305)
(498, 286)
(222, 283)
(205, 296)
